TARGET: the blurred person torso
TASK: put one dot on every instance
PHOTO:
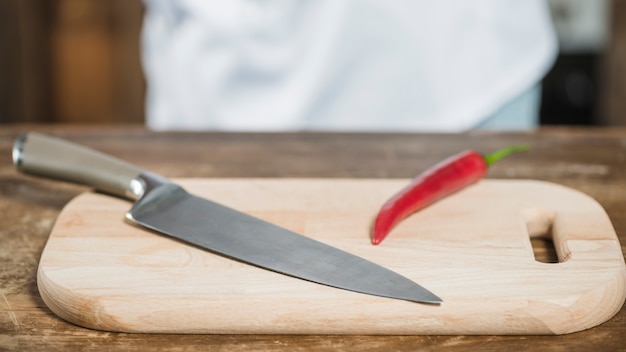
(357, 65)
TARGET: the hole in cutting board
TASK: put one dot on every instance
(539, 226)
(543, 249)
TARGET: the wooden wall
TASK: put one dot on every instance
(71, 61)
(24, 64)
(612, 91)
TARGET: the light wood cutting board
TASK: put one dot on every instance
(472, 249)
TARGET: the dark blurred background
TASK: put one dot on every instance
(77, 61)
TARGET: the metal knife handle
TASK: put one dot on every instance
(42, 155)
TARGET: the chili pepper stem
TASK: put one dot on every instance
(499, 154)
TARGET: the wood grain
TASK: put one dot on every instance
(589, 160)
(472, 249)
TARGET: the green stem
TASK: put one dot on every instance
(497, 155)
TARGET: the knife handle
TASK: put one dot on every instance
(38, 154)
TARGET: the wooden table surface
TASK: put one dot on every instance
(590, 160)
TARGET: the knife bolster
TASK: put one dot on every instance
(144, 183)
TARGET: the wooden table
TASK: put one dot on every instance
(590, 160)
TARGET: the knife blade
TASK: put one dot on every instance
(164, 207)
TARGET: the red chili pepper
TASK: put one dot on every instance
(449, 176)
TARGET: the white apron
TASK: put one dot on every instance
(357, 65)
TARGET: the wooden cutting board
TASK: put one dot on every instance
(472, 249)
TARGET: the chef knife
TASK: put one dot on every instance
(167, 208)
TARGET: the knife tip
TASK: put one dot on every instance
(430, 300)
(427, 297)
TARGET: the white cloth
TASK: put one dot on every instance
(359, 65)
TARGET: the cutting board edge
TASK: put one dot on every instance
(67, 303)
(590, 309)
